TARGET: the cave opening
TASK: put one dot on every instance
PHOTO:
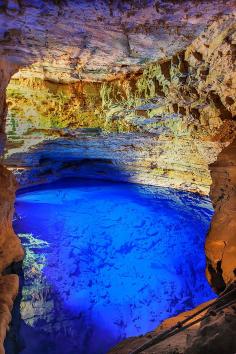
(87, 280)
(153, 121)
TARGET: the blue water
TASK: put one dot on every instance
(105, 261)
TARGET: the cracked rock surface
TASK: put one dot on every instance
(161, 71)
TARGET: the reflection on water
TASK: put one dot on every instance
(107, 260)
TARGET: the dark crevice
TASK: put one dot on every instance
(197, 56)
(175, 107)
(159, 88)
(175, 60)
(184, 65)
(229, 100)
(165, 69)
(204, 73)
(86, 161)
(224, 112)
(193, 91)
(14, 343)
(217, 280)
(195, 113)
(182, 110)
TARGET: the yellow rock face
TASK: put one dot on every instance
(177, 103)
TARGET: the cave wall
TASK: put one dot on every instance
(162, 125)
(189, 74)
(7, 69)
(220, 243)
(120, 37)
(10, 247)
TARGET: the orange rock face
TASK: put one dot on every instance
(10, 250)
(221, 240)
(10, 247)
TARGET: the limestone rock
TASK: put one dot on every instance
(220, 243)
(163, 72)
(122, 36)
(9, 285)
(10, 246)
(10, 250)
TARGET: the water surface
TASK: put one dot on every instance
(106, 261)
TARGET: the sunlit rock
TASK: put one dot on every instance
(129, 91)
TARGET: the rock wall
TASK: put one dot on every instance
(7, 69)
(220, 243)
(214, 335)
(128, 156)
(160, 70)
(184, 105)
(72, 40)
(9, 286)
(10, 247)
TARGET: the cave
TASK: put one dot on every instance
(117, 177)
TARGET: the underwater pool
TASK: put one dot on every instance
(105, 261)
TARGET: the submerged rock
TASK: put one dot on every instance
(90, 286)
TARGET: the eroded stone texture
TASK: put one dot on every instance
(177, 344)
(133, 157)
(10, 247)
(98, 40)
(220, 244)
(190, 92)
(183, 105)
(7, 69)
(10, 250)
(9, 285)
(213, 335)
